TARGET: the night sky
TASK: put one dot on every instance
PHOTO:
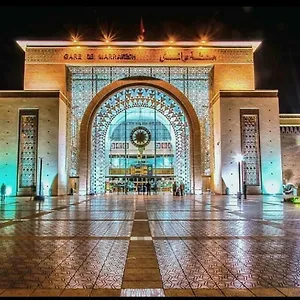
(277, 60)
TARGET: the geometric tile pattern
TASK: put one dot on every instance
(202, 246)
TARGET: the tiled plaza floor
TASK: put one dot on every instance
(142, 246)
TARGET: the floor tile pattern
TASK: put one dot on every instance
(149, 246)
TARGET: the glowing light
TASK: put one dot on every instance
(75, 37)
(272, 187)
(239, 158)
(172, 38)
(8, 190)
(296, 200)
(107, 34)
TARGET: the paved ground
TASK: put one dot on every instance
(156, 245)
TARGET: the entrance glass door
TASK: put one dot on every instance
(140, 149)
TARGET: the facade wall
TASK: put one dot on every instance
(45, 67)
(290, 147)
(269, 133)
(233, 77)
(62, 183)
(216, 166)
(53, 77)
(47, 77)
(48, 136)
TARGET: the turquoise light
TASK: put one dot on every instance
(272, 187)
(8, 190)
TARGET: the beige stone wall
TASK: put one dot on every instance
(216, 187)
(62, 149)
(48, 135)
(53, 77)
(270, 146)
(45, 68)
(290, 147)
(233, 77)
(45, 77)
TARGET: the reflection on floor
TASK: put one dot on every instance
(149, 246)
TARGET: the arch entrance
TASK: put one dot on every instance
(138, 132)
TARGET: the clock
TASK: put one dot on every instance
(140, 136)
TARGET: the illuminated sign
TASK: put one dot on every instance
(162, 56)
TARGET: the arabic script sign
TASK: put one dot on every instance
(139, 55)
(181, 56)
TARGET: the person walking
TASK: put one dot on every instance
(148, 185)
(245, 189)
(3, 191)
(174, 188)
(181, 188)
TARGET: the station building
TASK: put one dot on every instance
(100, 117)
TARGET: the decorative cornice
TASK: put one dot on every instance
(123, 44)
(31, 94)
(289, 116)
(34, 94)
(250, 93)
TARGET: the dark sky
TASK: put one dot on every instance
(277, 60)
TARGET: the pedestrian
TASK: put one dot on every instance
(155, 188)
(3, 191)
(139, 188)
(148, 188)
(174, 188)
(245, 189)
(181, 188)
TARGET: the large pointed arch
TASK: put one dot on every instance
(98, 100)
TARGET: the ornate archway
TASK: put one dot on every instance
(128, 93)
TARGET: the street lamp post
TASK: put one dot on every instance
(40, 196)
(239, 159)
(239, 191)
